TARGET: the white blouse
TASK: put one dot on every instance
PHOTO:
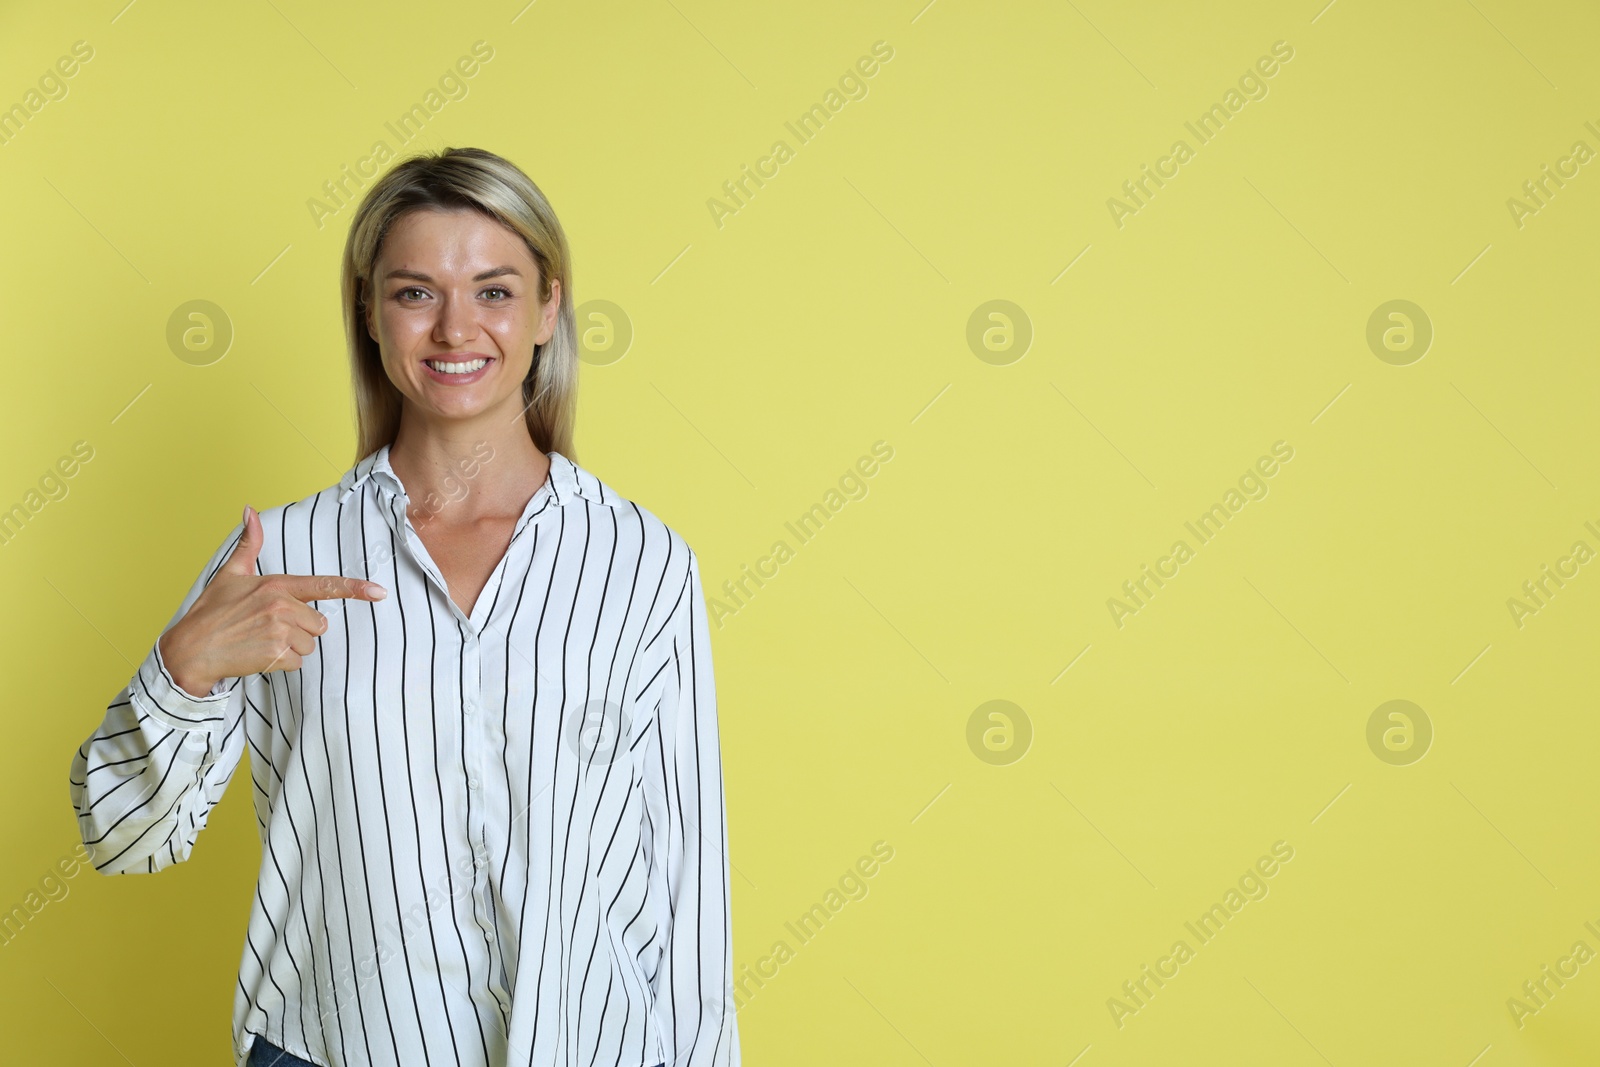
(487, 839)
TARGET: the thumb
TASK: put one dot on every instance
(243, 558)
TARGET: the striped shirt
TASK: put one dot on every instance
(495, 838)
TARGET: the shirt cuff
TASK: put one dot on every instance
(164, 700)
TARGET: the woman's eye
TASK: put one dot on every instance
(497, 293)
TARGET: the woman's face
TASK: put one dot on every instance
(457, 288)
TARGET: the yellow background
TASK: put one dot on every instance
(831, 312)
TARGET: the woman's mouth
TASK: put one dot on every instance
(457, 372)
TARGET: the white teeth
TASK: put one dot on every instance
(457, 368)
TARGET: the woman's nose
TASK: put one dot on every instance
(457, 320)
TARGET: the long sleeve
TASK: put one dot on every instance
(693, 984)
(145, 781)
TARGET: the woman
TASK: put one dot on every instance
(475, 685)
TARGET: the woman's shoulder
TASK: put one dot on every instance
(296, 530)
(660, 545)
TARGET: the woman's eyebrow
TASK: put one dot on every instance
(493, 272)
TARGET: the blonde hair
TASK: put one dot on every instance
(455, 179)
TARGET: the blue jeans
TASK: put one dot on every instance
(265, 1054)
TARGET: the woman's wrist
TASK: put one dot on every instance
(191, 677)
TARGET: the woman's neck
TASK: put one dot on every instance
(459, 478)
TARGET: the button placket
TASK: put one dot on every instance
(408, 537)
(475, 729)
(472, 733)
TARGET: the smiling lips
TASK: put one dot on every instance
(466, 367)
(459, 368)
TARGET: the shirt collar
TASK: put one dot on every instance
(567, 480)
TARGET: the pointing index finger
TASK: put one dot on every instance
(308, 587)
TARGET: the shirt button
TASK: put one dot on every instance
(468, 708)
(480, 862)
(472, 783)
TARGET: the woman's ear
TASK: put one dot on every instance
(551, 310)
